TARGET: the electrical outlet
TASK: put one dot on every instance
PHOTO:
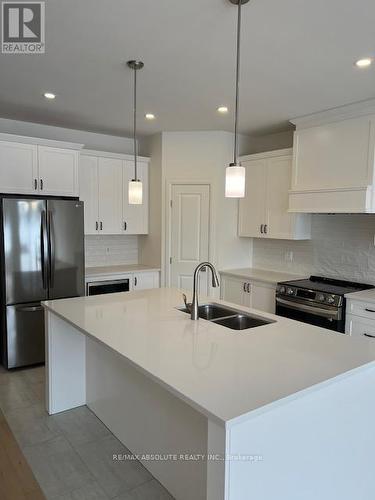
(289, 256)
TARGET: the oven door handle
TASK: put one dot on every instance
(316, 311)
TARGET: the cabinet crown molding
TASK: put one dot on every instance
(355, 110)
(40, 142)
(268, 154)
(108, 154)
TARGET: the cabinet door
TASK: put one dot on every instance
(89, 192)
(135, 217)
(263, 297)
(145, 281)
(279, 221)
(58, 171)
(358, 327)
(110, 195)
(18, 168)
(252, 212)
(233, 290)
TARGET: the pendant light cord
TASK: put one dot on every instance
(238, 68)
(135, 124)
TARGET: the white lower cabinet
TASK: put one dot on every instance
(360, 318)
(248, 293)
(145, 281)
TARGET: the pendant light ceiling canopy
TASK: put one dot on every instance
(135, 185)
(235, 173)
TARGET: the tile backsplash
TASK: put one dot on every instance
(111, 250)
(342, 246)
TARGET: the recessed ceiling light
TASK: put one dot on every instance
(49, 95)
(150, 116)
(222, 109)
(364, 63)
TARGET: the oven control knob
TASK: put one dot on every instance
(321, 297)
(290, 291)
(330, 300)
(282, 290)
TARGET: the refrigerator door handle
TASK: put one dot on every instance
(29, 308)
(44, 247)
(51, 249)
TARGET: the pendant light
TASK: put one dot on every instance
(235, 173)
(135, 185)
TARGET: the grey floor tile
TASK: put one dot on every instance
(91, 492)
(38, 392)
(80, 426)
(14, 392)
(32, 425)
(151, 490)
(34, 374)
(115, 477)
(57, 467)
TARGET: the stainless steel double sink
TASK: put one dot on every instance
(228, 317)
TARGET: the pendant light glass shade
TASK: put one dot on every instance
(235, 177)
(135, 192)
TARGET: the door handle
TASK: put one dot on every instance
(35, 184)
(244, 287)
(248, 288)
(135, 281)
(265, 228)
(96, 225)
(29, 308)
(261, 228)
(51, 248)
(370, 310)
(41, 184)
(101, 226)
(43, 247)
(369, 335)
(125, 226)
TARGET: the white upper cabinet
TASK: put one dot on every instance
(18, 168)
(333, 166)
(104, 180)
(35, 167)
(263, 213)
(135, 217)
(110, 195)
(58, 171)
(89, 192)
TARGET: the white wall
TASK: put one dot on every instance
(342, 246)
(91, 140)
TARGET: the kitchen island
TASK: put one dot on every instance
(282, 411)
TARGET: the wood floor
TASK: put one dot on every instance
(17, 482)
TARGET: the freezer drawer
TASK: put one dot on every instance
(25, 334)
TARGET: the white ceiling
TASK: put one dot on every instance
(297, 59)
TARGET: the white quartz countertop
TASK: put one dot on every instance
(364, 296)
(91, 272)
(263, 275)
(223, 373)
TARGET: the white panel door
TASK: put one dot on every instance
(145, 281)
(135, 217)
(233, 290)
(89, 192)
(18, 168)
(279, 221)
(58, 171)
(263, 297)
(110, 196)
(189, 234)
(252, 212)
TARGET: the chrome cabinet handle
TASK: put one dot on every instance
(101, 226)
(370, 310)
(369, 335)
(97, 225)
(35, 184)
(41, 184)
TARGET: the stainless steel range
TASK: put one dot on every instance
(318, 301)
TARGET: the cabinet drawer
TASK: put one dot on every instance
(363, 309)
(357, 326)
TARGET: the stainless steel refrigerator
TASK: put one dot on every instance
(42, 258)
